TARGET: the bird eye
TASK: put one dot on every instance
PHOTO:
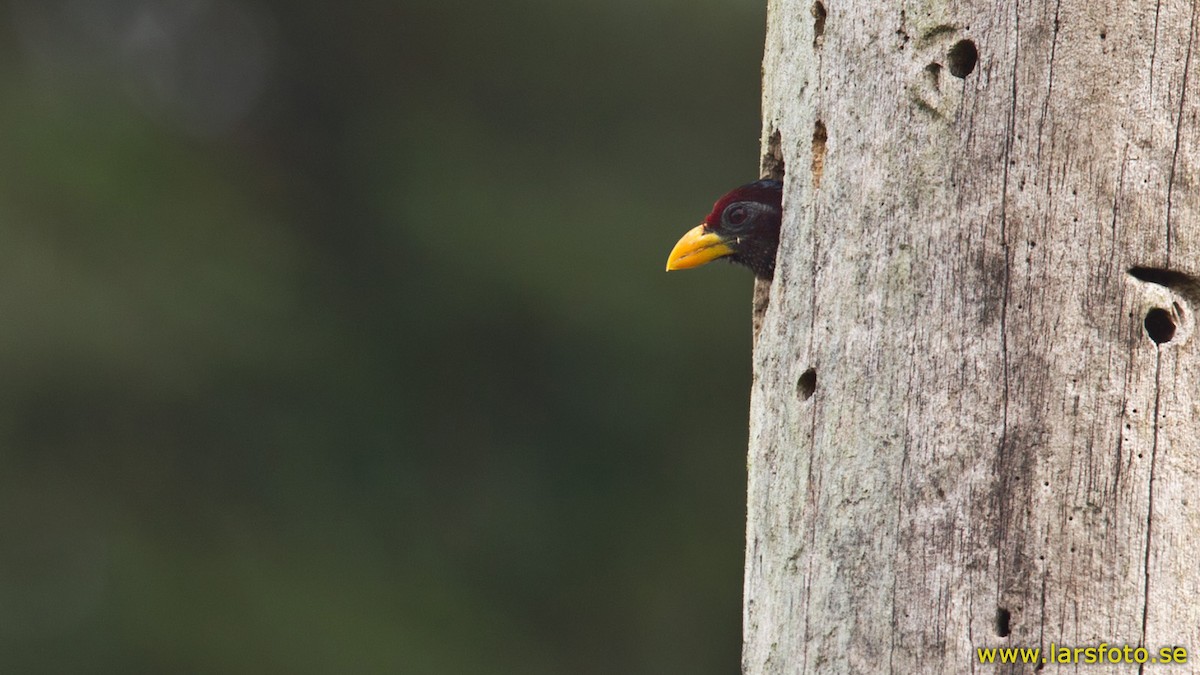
(736, 215)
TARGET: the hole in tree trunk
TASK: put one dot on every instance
(820, 137)
(1002, 619)
(962, 57)
(771, 165)
(1160, 326)
(807, 384)
(819, 14)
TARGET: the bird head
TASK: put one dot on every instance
(743, 227)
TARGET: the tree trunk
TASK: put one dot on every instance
(973, 418)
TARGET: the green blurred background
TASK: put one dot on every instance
(335, 338)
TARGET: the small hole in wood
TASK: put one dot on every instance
(819, 14)
(961, 58)
(933, 76)
(819, 142)
(807, 384)
(1002, 619)
(1160, 326)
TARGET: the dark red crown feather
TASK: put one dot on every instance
(764, 191)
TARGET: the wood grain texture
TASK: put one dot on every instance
(992, 430)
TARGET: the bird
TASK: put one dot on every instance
(743, 227)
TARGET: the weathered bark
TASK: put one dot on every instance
(996, 453)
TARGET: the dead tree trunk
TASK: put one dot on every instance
(976, 405)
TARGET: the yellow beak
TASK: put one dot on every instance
(697, 247)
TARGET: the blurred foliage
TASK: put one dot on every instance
(336, 338)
